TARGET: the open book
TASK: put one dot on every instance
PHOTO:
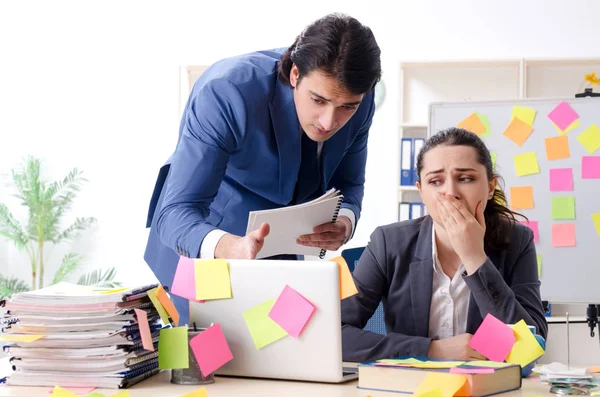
(289, 223)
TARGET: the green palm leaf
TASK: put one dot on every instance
(69, 263)
(10, 286)
(97, 278)
(11, 228)
(74, 230)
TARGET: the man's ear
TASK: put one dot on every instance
(294, 76)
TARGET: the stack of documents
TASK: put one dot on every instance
(77, 336)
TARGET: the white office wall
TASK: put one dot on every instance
(95, 85)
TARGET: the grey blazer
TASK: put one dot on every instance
(397, 268)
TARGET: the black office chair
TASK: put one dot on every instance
(377, 322)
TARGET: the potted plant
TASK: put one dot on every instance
(47, 203)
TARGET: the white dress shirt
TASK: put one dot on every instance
(209, 244)
(449, 300)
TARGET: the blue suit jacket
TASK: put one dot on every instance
(239, 150)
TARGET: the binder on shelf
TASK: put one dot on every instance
(416, 210)
(403, 212)
(406, 162)
(417, 146)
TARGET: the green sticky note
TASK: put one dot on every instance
(493, 156)
(263, 330)
(159, 307)
(563, 207)
(526, 164)
(173, 348)
(590, 138)
(539, 262)
(526, 115)
(486, 123)
(212, 279)
(486, 364)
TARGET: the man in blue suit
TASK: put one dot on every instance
(267, 130)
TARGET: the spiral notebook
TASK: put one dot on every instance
(289, 223)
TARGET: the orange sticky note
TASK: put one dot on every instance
(347, 286)
(521, 197)
(473, 124)
(518, 131)
(557, 148)
(161, 294)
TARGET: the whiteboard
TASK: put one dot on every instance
(568, 274)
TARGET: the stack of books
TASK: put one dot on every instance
(76, 336)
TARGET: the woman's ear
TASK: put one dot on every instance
(492, 187)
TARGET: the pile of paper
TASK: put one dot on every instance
(76, 336)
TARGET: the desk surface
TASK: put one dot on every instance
(159, 385)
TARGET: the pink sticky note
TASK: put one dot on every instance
(561, 179)
(590, 167)
(533, 225)
(563, 235)
(184, 282)
(493, 339)
(211, 349)
(80, 391)
(472, 370)
(291, 311)
(142, 319)
(563, 115)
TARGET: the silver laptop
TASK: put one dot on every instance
(316, 355)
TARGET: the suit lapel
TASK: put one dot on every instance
(288, 136)
(421, 279)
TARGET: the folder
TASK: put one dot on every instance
(406, 162)
(403, 212)
(417, 146)
(416, 210)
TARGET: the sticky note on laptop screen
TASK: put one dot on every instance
(263, 330)
(184, 282)
(212, 279)
(291, 311)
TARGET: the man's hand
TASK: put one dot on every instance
(454, 348)
(329, 236)
(247, 247)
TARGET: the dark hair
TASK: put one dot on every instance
(499, 219)
(339, 46)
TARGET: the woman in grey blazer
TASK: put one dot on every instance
(439, 276)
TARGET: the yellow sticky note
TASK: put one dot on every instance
(201, 392)
(448, 383)
(573, 125)
(526, 164)
(473, 124)
(164, 300)
(527, 115)
(114, 291)
(20, 338)
(60, 392)
(173, 349)
(212, 279)
(159, 307)
(518, 131)
(263, 330)
(526, 349)
(347, 286)
(486, 364)
(403, 361)
(521, 197)
(539, 262)
(438, 364)
(557, 148)
(124, 393)
(590, 138)
(596, 220)
(437, 392)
